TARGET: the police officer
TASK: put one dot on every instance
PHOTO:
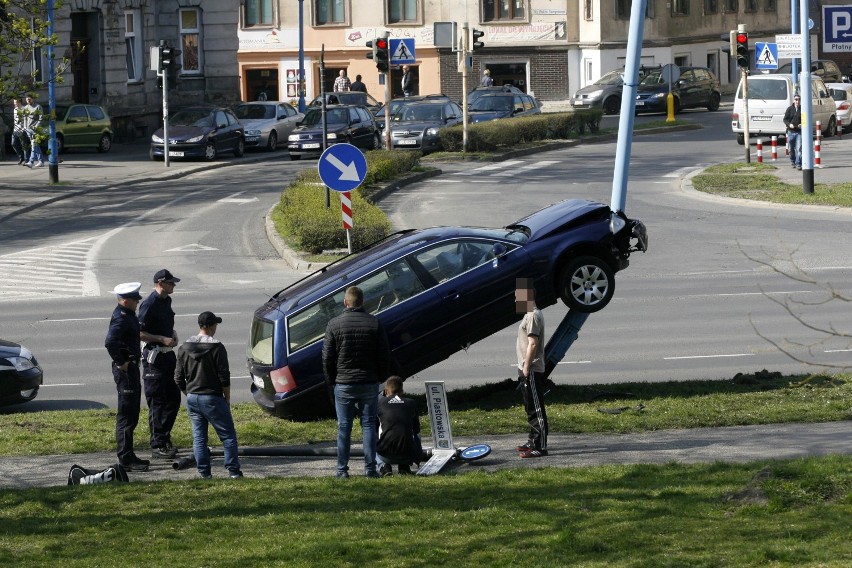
(157, 331)
(122, 343)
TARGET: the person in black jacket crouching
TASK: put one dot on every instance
(399, 430)
(203, 375)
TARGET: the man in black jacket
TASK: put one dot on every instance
(355, 359)
(203, 375)
(793, 120)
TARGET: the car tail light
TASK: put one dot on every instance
(735, 116)
(843, 106)
(282, 380)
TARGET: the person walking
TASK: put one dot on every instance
(358, 85)
(20, 140)
(407, 81)
(33, 115)
(355, 359)
(157, 331)
(202, 373)
(122, 344)
(342, 82)
(399, 430)
(486, 81)
(793, 121)
(530, 352)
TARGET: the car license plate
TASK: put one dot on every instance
(311, 145)
(252, 138)
(175, 154)
(258, 381)
(407, 142)
(640, 103)
(760, 118)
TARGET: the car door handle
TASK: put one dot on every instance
(452, 295)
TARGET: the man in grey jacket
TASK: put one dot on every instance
(203, 375)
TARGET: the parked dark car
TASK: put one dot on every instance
(492, 106)
(356, 98)
(400, 102)
(436, 291)
(201, 132)
(345, 123)
(696, 87)
(825, 69)
(20, 374)
(416, 125)
(605, 93)
(479, 91)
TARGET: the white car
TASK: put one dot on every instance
(842, 95)
(267, 122)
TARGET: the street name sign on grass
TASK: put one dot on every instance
(442, 433)
(342, 167)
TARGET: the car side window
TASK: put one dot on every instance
(389, 286)
(221, 119)
(77, 114)
(353, 116)
(448, 260)
(95, 112)
(308, 326)
(363, 114)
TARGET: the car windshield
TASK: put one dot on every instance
(654, 78)
(418, 113)
(60, 111)
(766, 89)
(493, 104)
(255, 112)
(333, 116)
(839, 94)
(201, 118)
(611, 78)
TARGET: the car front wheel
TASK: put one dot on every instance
(210, 151)
(612, 105)
(104, 144)
(715, 100)
(377, 142)
(240, 149)
(272, 143)
(587, 284)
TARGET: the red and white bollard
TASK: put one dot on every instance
(759, 151)
(818, 133)
(787, 147)
(774, 148)
(817, 144)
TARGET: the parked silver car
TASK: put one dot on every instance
(267, 122)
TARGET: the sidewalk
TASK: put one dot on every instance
(739, 444)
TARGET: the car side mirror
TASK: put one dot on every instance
(498, 250)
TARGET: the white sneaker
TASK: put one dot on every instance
(39, 165)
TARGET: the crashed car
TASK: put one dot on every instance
(436, 291)
(20, 374)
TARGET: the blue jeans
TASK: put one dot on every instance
(795, 140)
(348, 399)
(210, 409)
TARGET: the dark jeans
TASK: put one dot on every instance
(214, 410)
(129, 390)
(20, 144)
(350, 401)
(536, 413)
(795, 140)
(162, 396)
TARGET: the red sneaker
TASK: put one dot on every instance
(533, 454)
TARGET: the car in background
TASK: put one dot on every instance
(416, 125)
(842, 95)
(492, 106)
(266, 123)
(605, 93)
(696, 87)
(20, 374)
(344, 123)
(348, 98)
(399, 102)
(825, 69)
(436, 291)
(82, 126)
(200, 132)
(480, 91)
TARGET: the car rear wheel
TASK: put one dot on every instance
(60, 143)
(832, 128)
(377, 142)
(272, 143)
(210, 151)
(105, 143)
(587, 284)
(741, 139)
(715, 100)
(240, 148)
(612, 105)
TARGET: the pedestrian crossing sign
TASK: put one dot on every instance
(402, 51)
(765, 55)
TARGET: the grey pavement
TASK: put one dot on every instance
(22, 189)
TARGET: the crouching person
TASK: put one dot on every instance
(399, 430)
(203, 375)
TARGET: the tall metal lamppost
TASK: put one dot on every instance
(301, 83)
(53, 159)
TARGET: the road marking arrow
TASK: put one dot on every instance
(347, 173)
(194, 247)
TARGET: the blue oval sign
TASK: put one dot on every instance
(475, 452)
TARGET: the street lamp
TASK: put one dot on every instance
(301, 78)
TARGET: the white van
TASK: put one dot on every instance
(768, 99)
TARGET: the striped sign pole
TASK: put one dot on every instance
(346, 210)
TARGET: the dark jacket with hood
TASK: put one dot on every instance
(355, 350)
(202, 366)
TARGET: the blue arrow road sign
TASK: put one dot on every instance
(402, 51)
(342, 167)
(837, 28)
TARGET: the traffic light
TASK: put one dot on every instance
(742, 50)
(375, 48)
(474, 41)
(169, 58)
(383, 54)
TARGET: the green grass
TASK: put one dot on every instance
(757, 181)
(761, 398)
(791, 513)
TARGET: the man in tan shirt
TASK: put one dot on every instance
(530, 350)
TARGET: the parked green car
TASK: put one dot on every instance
(82, 126)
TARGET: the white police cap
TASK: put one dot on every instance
(129, 290)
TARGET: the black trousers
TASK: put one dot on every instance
(129, 390)
(536, 413)
(162, 396)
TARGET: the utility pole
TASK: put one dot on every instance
(464, 56)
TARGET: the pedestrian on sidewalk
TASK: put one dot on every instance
(793, 120)
(342, 83)
(359, 85)
(202, 373)
(407, 81)
(399, 430)
(20, 141)
(33, 115)
(122, 344)
(486, 81)
(530, 351)
(157, 330)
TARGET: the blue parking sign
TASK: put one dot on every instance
(837, 28)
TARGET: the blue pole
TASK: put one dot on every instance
(807, 102)
(301, 56)
(794, 29)
(53, 159)
(628, 105)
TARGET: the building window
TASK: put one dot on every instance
(680, 8)
(588, 12)
(771, 6)
(258, 13)
(622, 9)
(39, 60)
(711, 7)
(493, 10)
(732, 6)
(750, 6)
(402, 11)
(190, 41)
(133, 44)
(329, 12)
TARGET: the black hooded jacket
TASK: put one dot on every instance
(355, 349)
(202, 366)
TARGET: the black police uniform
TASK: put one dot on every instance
(122, 343)
(157, 318)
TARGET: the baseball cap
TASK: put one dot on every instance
(165, 276)
(206, 319)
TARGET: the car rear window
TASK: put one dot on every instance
(839, 95)
(767, 89)
(260, 343)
